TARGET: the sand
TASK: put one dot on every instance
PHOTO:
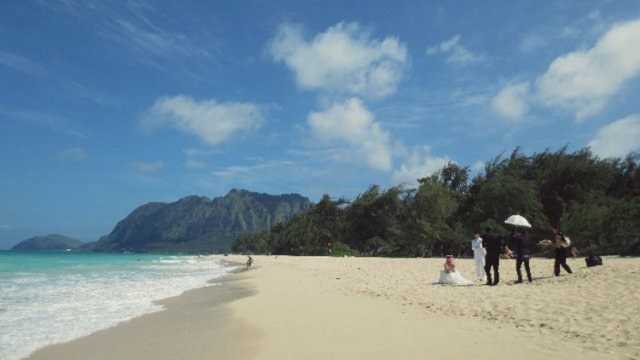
(195, 325)
(376, 308)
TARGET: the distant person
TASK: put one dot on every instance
(492, 243)
(507, 253)
(449, 276)
(523, 255)
(574, 251)
(560, 252)
(478, 256)
(249, 262)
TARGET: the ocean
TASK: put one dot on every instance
(53, 297)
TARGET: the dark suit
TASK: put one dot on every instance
(521, 247)
(493, 245)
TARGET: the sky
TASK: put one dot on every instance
(108, 105)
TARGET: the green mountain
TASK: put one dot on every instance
(53, 242)
(196, 224)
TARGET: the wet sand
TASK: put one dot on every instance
(195, 325)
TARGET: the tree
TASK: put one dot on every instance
(432, 209)
(505, 195)
(596, 202)
(563, 178)
(372, 220)
(455, 177)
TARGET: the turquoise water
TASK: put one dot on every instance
(48, 298)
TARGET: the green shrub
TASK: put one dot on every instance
(341, 249)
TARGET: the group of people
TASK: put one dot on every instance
(488, 248)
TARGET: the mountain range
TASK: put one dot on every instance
(193, 224)
(197, 224)
(52, 242)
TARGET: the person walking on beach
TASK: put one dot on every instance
(478, 256)
(493, 245)
(560, 252)
(523, 254)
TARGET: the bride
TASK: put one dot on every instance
(450, 276)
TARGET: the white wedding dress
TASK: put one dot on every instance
(453, 278)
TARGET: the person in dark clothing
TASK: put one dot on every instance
(560, 252)
(523, 254)
(492, 243)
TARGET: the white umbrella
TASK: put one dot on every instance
(517, 220)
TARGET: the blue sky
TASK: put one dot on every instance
(108, 105)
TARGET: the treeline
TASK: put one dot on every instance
(594, 201)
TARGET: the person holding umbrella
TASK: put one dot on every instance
(521, 246)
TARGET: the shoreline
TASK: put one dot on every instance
(190, 325)
(378, 308)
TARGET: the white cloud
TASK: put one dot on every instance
(29, 67)
(148, 38)
(478, 166)
(343, 59)
(263, 175)
(260, 170)
(618, 138)
(146, 167)
(532, 42)
(511, 101)
(194, 152)
(232, 171)
(353, 123)
(580, 82)
(20, 63)
(132, 27)
(419, 164)
(73, 154)
(458, 54)
(194, 164)
(50, 121)
(212, 122)
(584, 81)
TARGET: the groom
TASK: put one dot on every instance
(493, 245)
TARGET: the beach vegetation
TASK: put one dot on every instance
(340, 249)
(595, 201)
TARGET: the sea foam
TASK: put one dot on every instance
(43, 305)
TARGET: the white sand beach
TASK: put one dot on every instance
(378, 308)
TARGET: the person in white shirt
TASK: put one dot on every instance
(478, 255)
